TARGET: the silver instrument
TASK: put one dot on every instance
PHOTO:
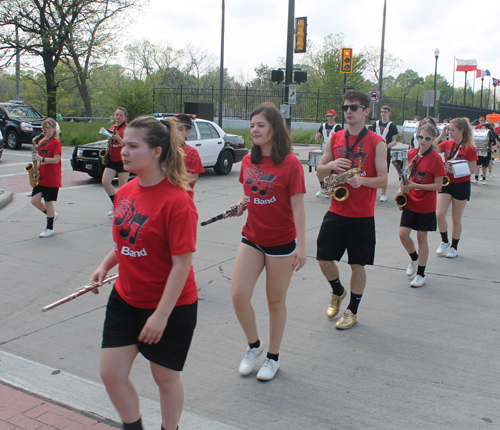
(481, 140)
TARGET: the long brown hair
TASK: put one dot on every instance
(464, 126)
(281, 138)
(164, 134)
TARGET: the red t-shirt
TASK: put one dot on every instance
(50, 174)
(192, 161)
(424, 170)
(150, 225)
(361, 201)
(478, 127)
(466, 153)
(268, 188)
(497, 130)
(115, 152)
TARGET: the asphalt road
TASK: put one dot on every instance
(417, 358)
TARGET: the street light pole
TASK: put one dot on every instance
(221, 68)
(436, 55)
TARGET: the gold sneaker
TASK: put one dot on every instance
(347, 320)
(333, 307)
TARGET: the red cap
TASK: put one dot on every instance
(332, 112)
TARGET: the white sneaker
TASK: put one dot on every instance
(383, 198)
(484, 182)
(412, 268)
(47, 233)
(474, 181)
(56, 215)
(319, 193)
(452, 253)
(112, 211)
(268, 370)
(442, 248)
(248, 362)
(491, 174)
(418, 281)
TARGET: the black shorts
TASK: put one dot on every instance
(338, 234)
(117, 166)
(483, 161)
(49, 194)
(458, 190)
(273, 251)
(418, 221)
(388, 159)
(124, 323)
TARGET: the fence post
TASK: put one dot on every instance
(213, 94)
(317, 107)
(246, 102)
(181, 110)
(404, 104)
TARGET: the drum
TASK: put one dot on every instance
(314, 159)
(409, 129)
(481, 140)
(400, 155)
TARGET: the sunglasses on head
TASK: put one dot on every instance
(426, 138)
(354, 107)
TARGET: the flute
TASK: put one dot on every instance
(226, 214)
(79, 292)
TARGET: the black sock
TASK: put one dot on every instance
(477, 177)
(337, 287)
(414, 256)
(50, 223)
(274, 357)
(444, 237)
(354, 303)
(454, 243)
(45, 211)
(112, 198)
(255, 344)
(421, 271)
(133, 426)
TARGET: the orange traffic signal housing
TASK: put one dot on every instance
(346, 60)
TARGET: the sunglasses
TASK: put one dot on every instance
(329, 116)
(354, 107)
(426, 138)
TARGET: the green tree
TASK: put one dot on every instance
(135, 95)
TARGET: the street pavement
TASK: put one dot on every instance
(422, 358)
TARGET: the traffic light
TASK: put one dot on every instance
(300, 34)
(277, 76)
(346, 60)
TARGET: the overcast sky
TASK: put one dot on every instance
(256, 30)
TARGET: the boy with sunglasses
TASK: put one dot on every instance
(350, 224)
(389, 132)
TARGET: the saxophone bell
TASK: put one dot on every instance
(446, 181)
(401, 200)
(340, 194)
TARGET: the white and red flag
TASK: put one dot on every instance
(466, 65)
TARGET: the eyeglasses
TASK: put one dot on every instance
(354, 107)
(329, 116)
(426, 138)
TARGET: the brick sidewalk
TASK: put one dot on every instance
(21, 410)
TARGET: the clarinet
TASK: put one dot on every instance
(226, 214)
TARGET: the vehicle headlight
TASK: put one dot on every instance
(26, 126)
(79, 152)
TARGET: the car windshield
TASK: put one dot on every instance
(22, 112)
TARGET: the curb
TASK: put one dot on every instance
(5, 197)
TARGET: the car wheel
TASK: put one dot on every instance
(13, 141)
(224, 163)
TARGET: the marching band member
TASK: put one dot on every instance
(48, 158)
(457, 193)
(350, 224)
(426, 171)
(484, 161)
(114, 164)
(273, 236)
(153, 305)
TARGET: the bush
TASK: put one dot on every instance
(80, 133)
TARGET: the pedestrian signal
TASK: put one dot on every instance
(346, 60)
(300, 34)
(277, 76)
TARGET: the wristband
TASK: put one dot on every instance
(43, 159)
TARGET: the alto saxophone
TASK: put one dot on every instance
(32, 168)
(332, 183)
(104, 153)
(447, 165)
(401, 198)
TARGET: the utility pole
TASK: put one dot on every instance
(18, 64)
(289, 57)
(381, 77)
(221, 68)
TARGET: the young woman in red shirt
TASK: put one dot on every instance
(153, 305)
(426, 171)
(114, 166)
(48, 158)
(273, 236)
(457, 192)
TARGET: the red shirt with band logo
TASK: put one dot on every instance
(115, 153)
(427, 169)
(268, 188)
(150, 225)
(468, 153)
(361, 201)
(50, 174)
(193, 164)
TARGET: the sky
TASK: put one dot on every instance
(255, 30)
